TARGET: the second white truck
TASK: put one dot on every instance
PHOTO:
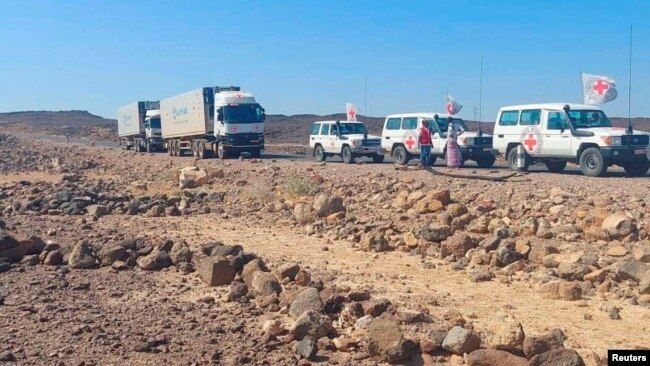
(138, 126)
(208, 120)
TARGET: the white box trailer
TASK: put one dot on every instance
(138, 125)
(188, 122)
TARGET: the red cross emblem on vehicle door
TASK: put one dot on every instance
(530, 142)
(600, 87)
(410, 142)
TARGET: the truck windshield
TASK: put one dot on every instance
(442, 124)
(246, 113)
(589, 119)
(353, 129)
(154, 123)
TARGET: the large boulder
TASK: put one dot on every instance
(10, 247)
(180, 252)
(493, 357)
(308, 299)
(192, 177)
(557, 357)
(154, 261)
(561, 290)
(618, 225)
(252, 267)
(327, 205)
(460, 341)
(630, 269)
(82, 256)
(458, 245)
(110, 253)
(265, 284)
(387, 343)
(311, 324)
(435, 232)
(303, 213)
(216, 271)
(535, 345)
(504, 333)
(374, 242)
(287, 270)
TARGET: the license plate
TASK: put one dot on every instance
(639, 152)
(487, 149)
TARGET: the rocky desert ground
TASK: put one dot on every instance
(110, 257)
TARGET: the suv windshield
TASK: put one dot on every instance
(588, 119)
(246, 113)
(442, 124)
(353, 129)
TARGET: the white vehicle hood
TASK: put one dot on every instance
(611, 131)
(360, 137)
(473, 134)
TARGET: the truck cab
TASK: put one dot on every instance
(349, 139)
(400, 138)
(239, 125)
(557, 133)
(152, 129)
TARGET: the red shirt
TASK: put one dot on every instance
(425, 136)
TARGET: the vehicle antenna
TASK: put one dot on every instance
(365, 96)
(582, 88)
(480, 98)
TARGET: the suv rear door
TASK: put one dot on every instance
(391, 134)
(314, 136)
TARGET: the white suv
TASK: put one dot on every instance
(400, 138)
(347, 139)
(557, 133)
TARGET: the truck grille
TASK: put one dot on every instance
(634, 140)
(371, 142)
(483, 141)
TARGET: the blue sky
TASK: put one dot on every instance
(311, 56)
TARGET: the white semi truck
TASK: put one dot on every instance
(138, 126)
(208, 120)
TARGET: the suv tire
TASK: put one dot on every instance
(319, 153)
(347, 155)
(400, 155)
(636, 168)
(378, 159)
(486, 161)
(512, 160)
(592, 163)
(555, 166)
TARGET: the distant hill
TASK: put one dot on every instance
(280, 128)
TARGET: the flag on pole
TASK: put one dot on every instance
(351, 111)
(598, 89)
(453, 106)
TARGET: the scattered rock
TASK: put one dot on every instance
(557, 357)
(493, 357)
(82, 256)
(387, 343)
(155, 261)
(216, 271)
(460, 341)
(307, 300)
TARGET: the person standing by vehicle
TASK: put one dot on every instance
(454, 157)
(424, 140)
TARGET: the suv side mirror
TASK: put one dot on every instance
(220, 115)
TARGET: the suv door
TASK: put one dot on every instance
(391, 133)
(438, 138)
(326, 139)
(410, 134)
(314, 136)
(556, 135)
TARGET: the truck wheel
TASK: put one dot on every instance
(256, 153)
(148, 147)
(176, 152)
(347, 155)
(636, 168)
(512, 160)
(592, 163)
(378, 159)
(200, 153)
(486, 162)
(555, 166)
(400, 155)
(319, 153)
(221, 151)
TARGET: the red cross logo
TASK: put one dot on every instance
(600, 87)
(235, 128)
(238, 95)
(352, 114)
(410, 142)
(450, 108)
(530, 142)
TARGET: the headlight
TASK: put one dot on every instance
(611, 140)
(357, 142)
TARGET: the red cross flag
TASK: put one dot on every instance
(453, 106)
(598, 89)
(351, 111)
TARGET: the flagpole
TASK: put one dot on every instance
(365, 96)
(582, 88)
(629, 91)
